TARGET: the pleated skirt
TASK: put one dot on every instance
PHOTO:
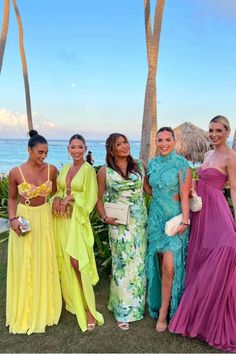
(33, 287)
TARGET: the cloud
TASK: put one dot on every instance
(14, 124)
(10, 119)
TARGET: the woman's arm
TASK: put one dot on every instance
(184, 191)
(231, 169)
(101, 177)
(53, 176)
(56, 194)
(146, 186)
(12, 202)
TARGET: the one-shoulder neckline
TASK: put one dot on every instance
(213, 168)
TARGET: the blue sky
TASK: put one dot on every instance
(87, 66)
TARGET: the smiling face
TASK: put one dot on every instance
(38, 153)
(122, 147)
(165, 142)
(76, 149)
(218, 133)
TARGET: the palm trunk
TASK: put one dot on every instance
(5, 22)
(24, 67)
(149, 125)
(234, 141)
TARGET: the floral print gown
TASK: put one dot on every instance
(128, 247)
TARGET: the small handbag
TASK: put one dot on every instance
(25, 228)
(195, 202)
(172, 225)
(117, 210)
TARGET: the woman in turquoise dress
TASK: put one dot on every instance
(122, 181)
(169, 176)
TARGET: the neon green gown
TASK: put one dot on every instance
(74, 238)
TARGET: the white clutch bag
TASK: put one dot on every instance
(195, 202)
(117, 210)
(172, 225)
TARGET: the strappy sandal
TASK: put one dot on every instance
(91, 326)
(123, 325)
(161, 327)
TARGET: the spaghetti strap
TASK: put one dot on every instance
(48, 171)
(22, 174)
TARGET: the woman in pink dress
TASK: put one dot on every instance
(208, 307)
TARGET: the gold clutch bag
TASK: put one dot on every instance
(117, 210)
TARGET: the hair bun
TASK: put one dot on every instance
(33, 133)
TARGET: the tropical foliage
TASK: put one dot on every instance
(3, 197)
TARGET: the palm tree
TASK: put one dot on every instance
(6, 11)
(149, 125)
(234, 141)
(24, 67)
(3, 38)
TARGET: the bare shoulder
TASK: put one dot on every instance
(53, 170)
(102, 172)
(231, 158)
(14, 172)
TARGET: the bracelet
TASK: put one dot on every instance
(104, 219)
(184, 223)
(15, 218)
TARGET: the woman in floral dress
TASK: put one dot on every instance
(122, 181)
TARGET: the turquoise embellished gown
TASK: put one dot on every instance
(165, 173)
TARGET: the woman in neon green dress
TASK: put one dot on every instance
(122, 181)
(74, 201)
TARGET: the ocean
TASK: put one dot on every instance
(13, 152)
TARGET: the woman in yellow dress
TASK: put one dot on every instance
(75, 199)
(33, 286)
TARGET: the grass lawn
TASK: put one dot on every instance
(66, 337)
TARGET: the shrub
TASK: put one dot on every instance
(3, 197)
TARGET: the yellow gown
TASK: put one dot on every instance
(74, 238)
(33, 286)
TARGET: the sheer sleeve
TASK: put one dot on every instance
(87, 198)
(81, 239)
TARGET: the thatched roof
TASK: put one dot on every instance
(191, 142)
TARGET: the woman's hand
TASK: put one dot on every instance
(181, 229)
(66, 207)
(56, 206)
(15, 226)
(111, 221)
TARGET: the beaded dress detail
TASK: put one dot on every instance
(165, 174)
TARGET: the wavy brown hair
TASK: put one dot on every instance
(132, 166)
